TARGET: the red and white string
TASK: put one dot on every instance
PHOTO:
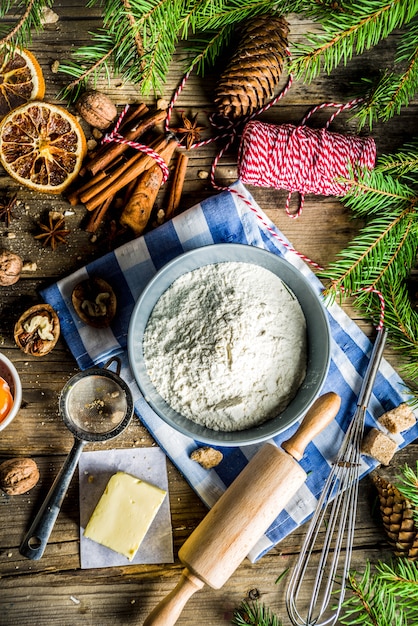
(116, 137)
(302, 159)
(371, 289)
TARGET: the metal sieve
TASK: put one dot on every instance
(95, 405)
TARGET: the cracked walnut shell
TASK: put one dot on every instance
(94, 302)
(37, 330)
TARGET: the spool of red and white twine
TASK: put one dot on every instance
(302, 159)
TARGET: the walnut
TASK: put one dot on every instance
(37, 331)
(10, 267)
(96, 109)
(94, 302)
(207, 457)
(18, 476)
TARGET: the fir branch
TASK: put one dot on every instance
(369, 260)
(402, 164)
(97, 57)
(356, 27)
(402, 320)
(386, 97)
(359, 26)
(364, 605)
(404, 85)
(204, 51)
(233, 12)
(383, 253)
(158, 25)
(254, 614)
(408, 486)
(31, 19)
(386, 596)
(374, 192)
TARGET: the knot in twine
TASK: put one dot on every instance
(301, 159)
(115, 137)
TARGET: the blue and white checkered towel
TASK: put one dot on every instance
(226, 217)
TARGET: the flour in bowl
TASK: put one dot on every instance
(225, 345)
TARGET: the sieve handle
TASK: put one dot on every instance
(36, 539)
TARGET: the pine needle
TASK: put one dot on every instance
(385, 596)
(20, 34)
(353, 28)
(254, 614)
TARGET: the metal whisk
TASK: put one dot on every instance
(335, 515)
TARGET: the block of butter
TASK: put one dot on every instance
(124, 513)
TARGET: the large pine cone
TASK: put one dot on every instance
(398, 518)
(253, 73)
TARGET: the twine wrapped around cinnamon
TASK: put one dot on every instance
(139, 175)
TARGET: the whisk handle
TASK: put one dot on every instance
(322, 412)
(372, 369)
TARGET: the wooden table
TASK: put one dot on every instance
(54, 590)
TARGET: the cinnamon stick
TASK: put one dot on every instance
(97, 216)
(142, 126)
(133, 113)
(102, 179)
(177, 184)
(74, 196)
(130, 119)
(139, 164)
(137, 211)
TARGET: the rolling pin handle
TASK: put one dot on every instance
(321, 413)
(167, 612)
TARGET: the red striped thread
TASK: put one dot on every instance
(301, 159)
(370, 289)
(115, 136)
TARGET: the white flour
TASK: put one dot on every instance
(225, 345)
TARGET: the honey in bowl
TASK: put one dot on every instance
(6, 399)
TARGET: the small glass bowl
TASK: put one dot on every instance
(9, 373)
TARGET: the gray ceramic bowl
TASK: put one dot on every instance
(317, 330)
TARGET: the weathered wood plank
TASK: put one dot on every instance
(55, 590)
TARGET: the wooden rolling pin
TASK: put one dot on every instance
(243, 513)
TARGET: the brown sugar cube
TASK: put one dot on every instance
(398, 419)
(379, 446)
(207, 457)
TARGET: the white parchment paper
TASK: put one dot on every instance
(95, 470)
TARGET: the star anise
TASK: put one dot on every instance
(189, 131)
(54, 232)
(6, 209)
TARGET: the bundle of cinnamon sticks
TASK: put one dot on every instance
(117, 168)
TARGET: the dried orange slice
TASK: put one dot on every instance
(21, 79)
(42, 146)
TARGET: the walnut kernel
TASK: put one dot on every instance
(37, 331)
(18, 476)
(94, 302)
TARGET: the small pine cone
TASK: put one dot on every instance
(398, 518)
(253, 73)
